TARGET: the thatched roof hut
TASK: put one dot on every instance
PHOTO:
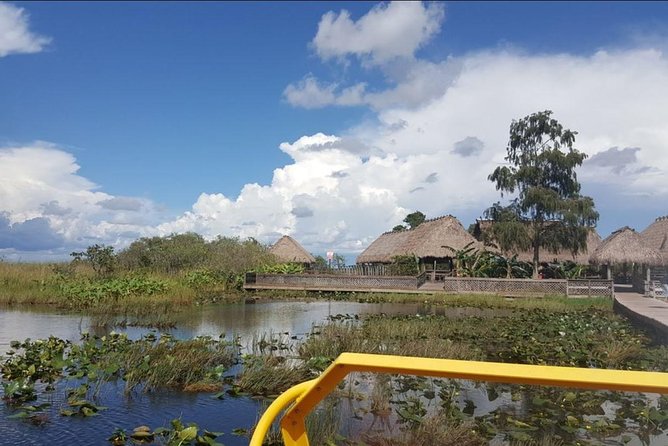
(287, 249)
(656, 236)
(429, 239)
(546, 255)
(625, 245)
(581, 258)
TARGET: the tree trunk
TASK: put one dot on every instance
(536, 245)
(537, 226)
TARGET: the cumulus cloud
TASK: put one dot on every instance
(310, 93)
(408, 84)
(388, 31)
(47, 205)
(34, 234)
(15, 35)
(341, 191)
(612, 98)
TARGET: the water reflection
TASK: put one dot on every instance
(244, 320)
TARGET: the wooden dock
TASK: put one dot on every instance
(645, 311)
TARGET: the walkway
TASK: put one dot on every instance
(649, 312)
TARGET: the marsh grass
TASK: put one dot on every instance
(587, 337)
(554, 303)
(416, 337)
(438, 429)
(191, 364)
(25, 283)
(270, 375)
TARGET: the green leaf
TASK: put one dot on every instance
(188, 433)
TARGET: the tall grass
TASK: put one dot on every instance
(270, 375)
(387, 336)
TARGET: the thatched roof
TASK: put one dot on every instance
(582, 257)
(546, 255)
(625, 246)
(427, 240)
(656, 236)
(286, 249)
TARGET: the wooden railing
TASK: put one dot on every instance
(329, 282)
(469, 285)
(590, 287)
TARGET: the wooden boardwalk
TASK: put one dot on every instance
(646, 311)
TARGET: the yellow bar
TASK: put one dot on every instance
(275, 409)
(293, 424)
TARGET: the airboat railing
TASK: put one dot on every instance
(302, 398)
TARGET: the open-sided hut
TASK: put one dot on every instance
(656, 236)
(287, 249)
(626, 247)
(432, 241)
(547, 255)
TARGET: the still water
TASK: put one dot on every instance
(158, 409)
(219, 415)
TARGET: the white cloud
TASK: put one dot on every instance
(440, 128)
(15, 35)
(46, 205)
(410, 84)
(332, 196)
(395, 30)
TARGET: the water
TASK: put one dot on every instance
(245, 320)
(158, 409)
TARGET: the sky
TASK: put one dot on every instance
(326, 121)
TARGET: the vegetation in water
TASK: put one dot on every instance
(177, 434)
(383, 409)
(588, 337)
(148, 364)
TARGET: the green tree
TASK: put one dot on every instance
(548, 210)
(414, 219)
(100, 257)
(399, 228)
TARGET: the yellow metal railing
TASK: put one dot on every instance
(308, 394)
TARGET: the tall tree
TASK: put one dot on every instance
(415, 219)
(548, 211)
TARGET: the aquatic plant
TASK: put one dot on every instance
(270, 375)
(177, 434)
(148, 363)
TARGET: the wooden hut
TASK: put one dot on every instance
(547, 255)
(656, 236)
(287, 249)
(432, 243)
(626, 247)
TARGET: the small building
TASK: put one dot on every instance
(433, 242)
(288, 250)
(656, 236)
(626, 247)
(547, 255)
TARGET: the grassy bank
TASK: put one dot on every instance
(556, 303)
(79, 288)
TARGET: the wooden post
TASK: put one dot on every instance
(607, 267)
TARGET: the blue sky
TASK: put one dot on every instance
(329, 121)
